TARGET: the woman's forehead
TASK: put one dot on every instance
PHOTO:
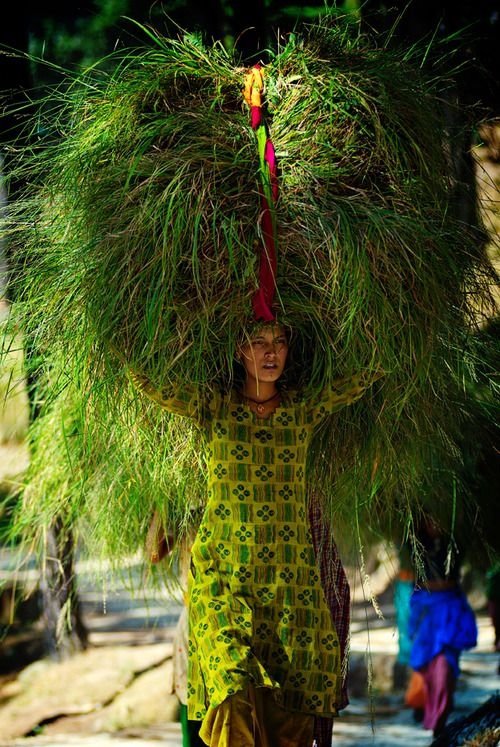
(267, 330)
(276, 330)
(270, 331)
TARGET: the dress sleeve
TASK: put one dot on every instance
(341, 393)
(183, 400)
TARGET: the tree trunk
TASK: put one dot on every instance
(64, 630)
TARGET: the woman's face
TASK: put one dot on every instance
(264, 355)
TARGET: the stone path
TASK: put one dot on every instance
(148, 624)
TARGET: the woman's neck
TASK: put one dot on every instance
(259, 391)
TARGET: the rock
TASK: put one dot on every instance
(86, 682)
(370, 672)
(147, 701)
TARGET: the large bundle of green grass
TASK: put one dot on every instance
(103, 478)
(140, 230)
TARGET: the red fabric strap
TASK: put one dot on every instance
(263, 298)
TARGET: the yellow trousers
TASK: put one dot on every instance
(252, 718)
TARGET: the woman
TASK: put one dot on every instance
(441, 625)
(264, 658)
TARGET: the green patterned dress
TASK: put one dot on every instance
(257, 612)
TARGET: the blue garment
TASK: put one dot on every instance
(440, 622)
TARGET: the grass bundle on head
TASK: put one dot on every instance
(391, 273)
(146, 214)
(142, 231)
(102, 478)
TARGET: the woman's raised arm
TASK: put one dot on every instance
(341, 393)
(183, 400)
